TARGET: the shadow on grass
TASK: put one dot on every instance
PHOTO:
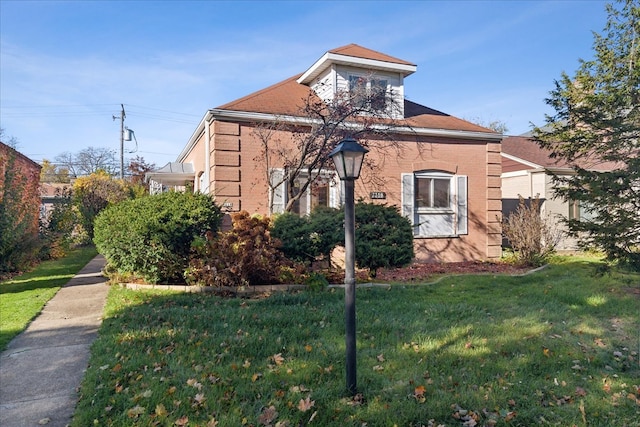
(530, 348)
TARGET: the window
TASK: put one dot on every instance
(435, 203)
(322, 192)
(368, 92)
(579, 211)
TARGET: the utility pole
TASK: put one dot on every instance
(122, 116)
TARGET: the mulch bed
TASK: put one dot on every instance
(419, 272)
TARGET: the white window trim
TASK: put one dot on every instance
(458, 204)
(279, 194)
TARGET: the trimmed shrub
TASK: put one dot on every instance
(307, 239)
(293, 232)
(384, 238)
(152, 236)
(245, 255)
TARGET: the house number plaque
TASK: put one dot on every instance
(378, 195)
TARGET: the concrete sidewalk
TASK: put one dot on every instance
(41, 369)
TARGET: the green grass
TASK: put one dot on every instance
(22, 297)
(555, 348)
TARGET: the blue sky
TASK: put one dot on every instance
(66, 66)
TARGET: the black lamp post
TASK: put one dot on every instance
(348, 157)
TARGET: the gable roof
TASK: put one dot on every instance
(357, 56)
(358, 51)
(523, 153)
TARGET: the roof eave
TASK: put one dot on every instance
(330, 58)
(247, 116)
(194, 137)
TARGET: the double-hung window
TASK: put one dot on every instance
(322, 192)
(368, 92)
(435, 202)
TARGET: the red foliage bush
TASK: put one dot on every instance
(245, 255)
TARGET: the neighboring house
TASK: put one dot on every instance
(527, 171)
(51, 194)
(445, 175)
(19, 179)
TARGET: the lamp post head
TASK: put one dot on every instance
(348, 157)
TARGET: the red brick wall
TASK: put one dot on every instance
(19, 185)
(239, 179)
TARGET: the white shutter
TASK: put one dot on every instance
(461, 205)
(277, 193)
(407, 197)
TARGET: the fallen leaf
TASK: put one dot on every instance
(182, 421)
(161, 411)
(305, 404)
(199, 398)
(308, 348)
(580, 391)
(268, 415)
(380, 358)
(136, 411)
(44, 421)
(278, 359)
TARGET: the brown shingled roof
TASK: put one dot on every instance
(358, 51)
(527, 149)
(288, 96)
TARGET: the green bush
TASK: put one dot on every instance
(152, 236)
(384, 238)
(293, 231)
(308, 239)
(245, 255)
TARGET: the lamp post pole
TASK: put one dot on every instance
(348, 157)
(350, 284)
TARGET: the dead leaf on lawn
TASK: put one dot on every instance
(305, 404)
(182, 421)
(136, 411)
(268, 415)
(278, 359)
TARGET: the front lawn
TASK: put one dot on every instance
(22, 297)
(556, 348)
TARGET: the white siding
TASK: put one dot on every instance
(323, 85)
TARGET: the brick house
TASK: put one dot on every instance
(20, 199)
(445, 175)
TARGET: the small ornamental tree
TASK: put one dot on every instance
(384, 238)
(152, 236)
(94, 193)
(532, 237)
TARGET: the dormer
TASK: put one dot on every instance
(351, 66)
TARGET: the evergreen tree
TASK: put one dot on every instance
(596, 130)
